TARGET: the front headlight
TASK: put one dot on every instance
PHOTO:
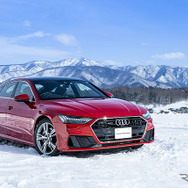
(146, 115)
(74, 119)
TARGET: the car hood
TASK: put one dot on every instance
(94, 108)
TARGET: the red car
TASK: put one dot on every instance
(66, 115)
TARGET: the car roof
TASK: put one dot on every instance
(50, 78)
(42, 79)
(38, 79)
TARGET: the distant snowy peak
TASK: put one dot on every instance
(100, 73)
(80, 62)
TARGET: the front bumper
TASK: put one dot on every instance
(82, 137)
(88, 142)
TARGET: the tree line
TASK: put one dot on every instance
(150, 95)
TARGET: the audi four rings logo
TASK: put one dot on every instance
(121, 122)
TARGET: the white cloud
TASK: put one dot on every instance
(38, 34)
(11, 52)
(14, 40)
(68, 40)
(63, 38)
(16, 49)
(27, 23)
(172, 55)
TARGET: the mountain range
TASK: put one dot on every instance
(100, 73)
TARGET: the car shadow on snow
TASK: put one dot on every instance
(88, 154)
(12, 143)
(83, 154)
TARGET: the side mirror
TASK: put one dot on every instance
(109, 94)
(22, 98)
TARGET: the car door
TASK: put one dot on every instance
(5, 95)
(20, 114)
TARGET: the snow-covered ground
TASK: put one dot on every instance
(155, 165)
(158, 108)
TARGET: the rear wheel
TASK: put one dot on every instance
(45, 138)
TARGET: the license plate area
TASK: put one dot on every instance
(121, 133)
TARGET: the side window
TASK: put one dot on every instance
(7, 90)
(23, 88)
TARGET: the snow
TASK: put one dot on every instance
(155, 76)
(158, 164)
(162, 79)
(158, 108)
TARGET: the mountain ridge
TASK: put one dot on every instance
(101, 73)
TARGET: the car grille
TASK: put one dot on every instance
(104, 129)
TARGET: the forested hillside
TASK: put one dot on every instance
(150, 95)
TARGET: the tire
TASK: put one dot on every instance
(137, 146)
(45, 138)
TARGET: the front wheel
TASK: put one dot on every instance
(45, 138)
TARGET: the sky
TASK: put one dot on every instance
(120, 32)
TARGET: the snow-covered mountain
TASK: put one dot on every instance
(100, 73)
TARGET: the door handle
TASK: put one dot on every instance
(10, 107)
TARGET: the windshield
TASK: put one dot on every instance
(66, 89)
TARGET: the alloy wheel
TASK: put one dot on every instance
(45, 138)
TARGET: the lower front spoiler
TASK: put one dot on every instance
(88, 143)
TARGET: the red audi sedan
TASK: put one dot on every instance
(56, 114)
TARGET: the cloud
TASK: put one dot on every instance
(38, 34)
(15, 49)
(11, 52)
(16, 39)
(172, 55)
(68, 40)
(27, 23)
(18, 49)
